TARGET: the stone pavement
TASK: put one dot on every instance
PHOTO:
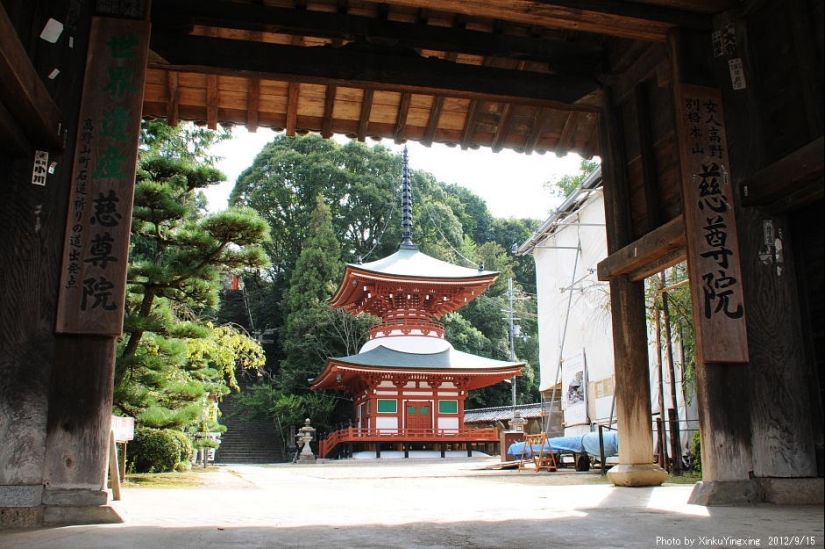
(423, 504)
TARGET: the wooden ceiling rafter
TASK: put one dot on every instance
(212, 99)
(329, 111)
(631, 20)
(253, 98)
(469, 125)
(364, 119)
(329, 25)
(173, 104)
(371, 68)
(503, 127)
(539, 123)
(472, 73)
(401, 118)
(567, 133)
(293, 94)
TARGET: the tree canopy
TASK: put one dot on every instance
(329, 204)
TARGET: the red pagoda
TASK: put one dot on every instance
(408, 382)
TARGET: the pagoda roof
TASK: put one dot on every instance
(383, 360)
(364, 284)
(410, 262)
(448, 359)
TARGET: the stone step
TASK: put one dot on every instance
(248, 440)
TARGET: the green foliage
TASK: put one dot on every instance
(309, 340)
(158, 451)
(565, 185)
(173, 361)
(359, 189)
(680, 312)
(696, 452)
(186, 142)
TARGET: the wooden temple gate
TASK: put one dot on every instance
(707, 116)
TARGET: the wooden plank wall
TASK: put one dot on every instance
(32, 218)
(777, 113)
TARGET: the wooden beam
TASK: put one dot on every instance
(432, 122)
(630, 20)
(647, 157)
(375, 68)
(503, 128)
(469, 125)
(173, 105)
(329, 108)
(338, 26)
(401, 119)
(642, 66)
(642, 258)
(567, 132)
(435, 110)
(292, 108)
(23, 93)
(212, 101)
(253, 99)
(542, 115)
(12, 138)
(799, 172)
(364, 118)
(592, 148)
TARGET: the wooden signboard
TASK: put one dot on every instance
(710, 226)
(95, 253)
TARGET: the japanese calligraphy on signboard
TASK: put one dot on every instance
(710, 221)
(95, 254)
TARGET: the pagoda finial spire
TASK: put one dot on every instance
(406, 205)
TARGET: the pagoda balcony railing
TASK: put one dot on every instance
(406, 326)
(359, 434)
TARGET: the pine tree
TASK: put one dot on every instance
(172, 361)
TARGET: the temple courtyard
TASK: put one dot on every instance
(423, 504)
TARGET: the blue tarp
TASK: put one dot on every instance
(579, 444)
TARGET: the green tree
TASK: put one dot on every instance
(562, 187)
(307, 343)
(313, 333)
(361, 189)
(172, 360)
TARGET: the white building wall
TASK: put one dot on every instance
(573, 305)
(574, 319)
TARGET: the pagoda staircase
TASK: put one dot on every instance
(247, 440)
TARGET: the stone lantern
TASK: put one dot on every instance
(304, 437)
(518, 422)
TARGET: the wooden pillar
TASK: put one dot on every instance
(79, 422)
(80, 399)
(627, 302)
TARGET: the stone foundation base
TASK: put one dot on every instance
(643, 474)
(725, 492)
(780, 491)
(793, 491)
(81, 514)
(21, 517)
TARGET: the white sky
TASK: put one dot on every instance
(511, 183)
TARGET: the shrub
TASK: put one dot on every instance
(158, 450)
(696, 452)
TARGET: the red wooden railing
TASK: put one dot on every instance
(358, 434)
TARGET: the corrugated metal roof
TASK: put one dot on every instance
(502, 413)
